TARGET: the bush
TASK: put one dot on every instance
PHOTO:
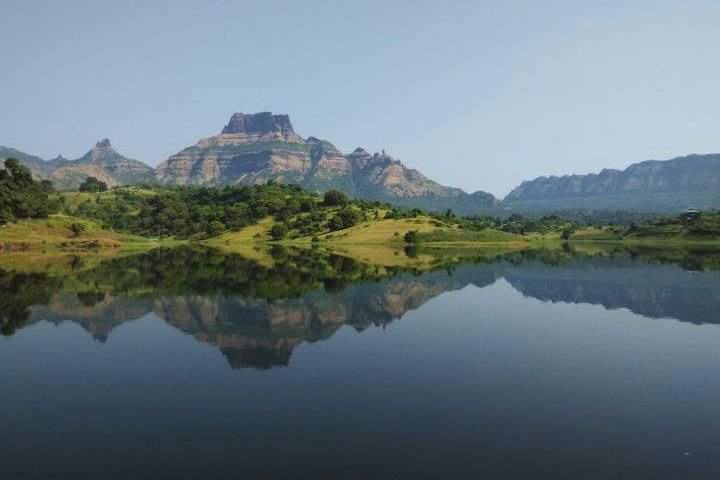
(411, 237)
(345, 218)
(93, 185)
(278, 231)
(335, 198)
(77, 229)
(20, 195)
(215, 228)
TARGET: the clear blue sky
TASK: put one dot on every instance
(475, 94)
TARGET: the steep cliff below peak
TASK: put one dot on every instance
(255, 148)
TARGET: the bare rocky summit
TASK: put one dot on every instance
(255, 148)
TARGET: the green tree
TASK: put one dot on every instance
(20, 195)
(411, 237)
(215, 228)
(345, 218)
(278, 231)
(93, 185)
(334, 198)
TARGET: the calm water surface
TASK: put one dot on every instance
(193, 364)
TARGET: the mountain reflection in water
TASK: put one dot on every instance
(257, 313)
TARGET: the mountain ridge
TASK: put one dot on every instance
(101, 161)
(651, 185)
(256, 148)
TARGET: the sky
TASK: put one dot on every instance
(475, 94)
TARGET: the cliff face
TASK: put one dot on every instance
(254, 148)
(251, 149)
(101, 161)
(659, 185)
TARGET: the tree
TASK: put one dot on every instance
(345, 218)
(215, 228)
(20, 174)
(335, 198)
(335, 223)
(93, 185)
(411, 237)
(77, 229)
(566, 232)
(20, 195)
(278, 231)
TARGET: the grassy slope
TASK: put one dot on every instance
(379, 242)
(705, 229)
(373, 232)
(40, 239)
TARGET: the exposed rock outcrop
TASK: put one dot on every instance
(260, 123)
(255, 148)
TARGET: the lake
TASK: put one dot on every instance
(557, 363)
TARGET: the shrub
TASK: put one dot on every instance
(411, 237)
(92, 184)
(278, 231)
(335, 198)
(77, 229)
(215, 228)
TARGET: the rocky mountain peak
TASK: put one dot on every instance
(259, 123)
(104, 143)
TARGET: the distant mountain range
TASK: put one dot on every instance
(101, 161)
(650, 186)
(260, 147)
(255, 148)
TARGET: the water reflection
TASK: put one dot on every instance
(257, 312)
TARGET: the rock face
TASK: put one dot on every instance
(101, 161)
(647, 186)
(255, 148)
(259, 123)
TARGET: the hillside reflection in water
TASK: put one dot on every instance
(563, 363)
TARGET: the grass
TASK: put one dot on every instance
(379, 232)
(49, 243)
(488, 235)
(54, 234)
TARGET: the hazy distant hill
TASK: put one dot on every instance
(101, 161)
(254, 148)
(652, 185)
(36, 164)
